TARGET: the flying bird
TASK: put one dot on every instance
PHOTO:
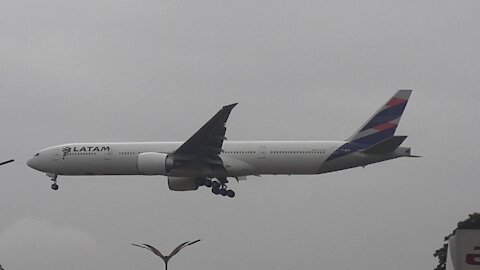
(166, 258)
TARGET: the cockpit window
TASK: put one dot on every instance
(37, 154)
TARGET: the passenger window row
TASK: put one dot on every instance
(240, 152)
(298, 152)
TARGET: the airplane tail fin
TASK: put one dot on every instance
(382, 125)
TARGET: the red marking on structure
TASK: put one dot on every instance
(472, 259)
(395, 101)
(385, 126)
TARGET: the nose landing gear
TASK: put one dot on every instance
(54, 179)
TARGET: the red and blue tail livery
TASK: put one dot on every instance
(380, 128)
(384, 122)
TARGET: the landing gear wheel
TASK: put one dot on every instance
(208, 183)
(230, 193)
(220, 187)
(54, 180)
(200, 182)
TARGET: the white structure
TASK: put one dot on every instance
(464, 250)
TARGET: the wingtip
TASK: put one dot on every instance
(193, 242)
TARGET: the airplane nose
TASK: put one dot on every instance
(32, 163)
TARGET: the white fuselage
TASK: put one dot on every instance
(239, 158)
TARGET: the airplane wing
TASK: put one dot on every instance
(8, 161)
(206, 143)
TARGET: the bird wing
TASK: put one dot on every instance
(139, 246)
(152, 249)
(177, 249)
(155, 251)
(2, 163)
(193, 242)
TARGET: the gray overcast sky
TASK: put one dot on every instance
(104, 70)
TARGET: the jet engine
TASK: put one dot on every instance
(182, 183)
(152, 163)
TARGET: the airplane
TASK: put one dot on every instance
(208, 159)
(6, 162)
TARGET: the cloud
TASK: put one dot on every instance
(36, 244)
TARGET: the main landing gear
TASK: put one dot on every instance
(53, 177)
(218, 187)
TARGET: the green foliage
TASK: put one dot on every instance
(471, 223)
(441, 253)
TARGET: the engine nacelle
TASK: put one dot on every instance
(182, 183)
(152, 163)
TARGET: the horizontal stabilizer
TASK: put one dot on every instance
(386, 146)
